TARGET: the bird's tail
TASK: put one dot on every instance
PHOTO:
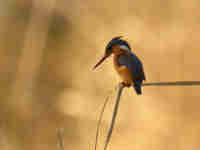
(138, 86)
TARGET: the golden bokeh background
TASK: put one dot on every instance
(47, 50)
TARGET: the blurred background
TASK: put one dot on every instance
(47, 50)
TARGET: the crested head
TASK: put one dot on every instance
(112, 42)
(117, 40)
(110, 48)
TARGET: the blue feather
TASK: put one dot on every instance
(138, 86)
(133, 63)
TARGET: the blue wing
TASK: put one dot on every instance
(134, 64)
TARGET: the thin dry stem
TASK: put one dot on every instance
(99, 122)
(60, 139)
(175, 83)
(119, 92)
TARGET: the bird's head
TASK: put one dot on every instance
(116, 41)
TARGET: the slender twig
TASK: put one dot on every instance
(99, 122)
(60, 139)
(175, 83)
(119, 92)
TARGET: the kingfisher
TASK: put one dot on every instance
(126, 63)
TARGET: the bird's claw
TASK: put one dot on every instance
(125, 84)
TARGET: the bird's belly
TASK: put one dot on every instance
(123, 71)
(125, 74)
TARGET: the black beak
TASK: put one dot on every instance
(100, 61)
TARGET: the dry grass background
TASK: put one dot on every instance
(46, 55)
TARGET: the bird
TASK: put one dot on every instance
(126, 63)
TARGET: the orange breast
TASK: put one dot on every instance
(123, 71)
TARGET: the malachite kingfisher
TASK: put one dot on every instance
(126, 63)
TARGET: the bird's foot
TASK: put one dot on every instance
(125, 84)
